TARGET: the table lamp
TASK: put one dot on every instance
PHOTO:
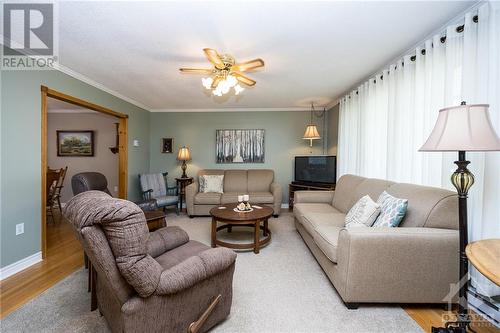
(184, 155)
(462, 128)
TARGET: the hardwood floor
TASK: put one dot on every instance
(427, 316)
(65, 256)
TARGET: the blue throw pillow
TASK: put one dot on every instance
(392, 210)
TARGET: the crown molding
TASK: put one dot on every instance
(333, 103)
(295, 109)
(95, 84)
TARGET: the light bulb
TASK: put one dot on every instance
(238, 89)
(231, 81)
(207, 82)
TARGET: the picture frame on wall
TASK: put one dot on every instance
(75, 143)
(167, 145)
(240, 146)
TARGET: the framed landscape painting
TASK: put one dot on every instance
(75, 143)
(239, 146)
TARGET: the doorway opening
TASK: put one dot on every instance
(66, 145)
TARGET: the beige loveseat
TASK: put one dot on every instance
(258, 183)
(413, 263)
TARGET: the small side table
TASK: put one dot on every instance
(181, 185)
(155, 219)
(485, 256)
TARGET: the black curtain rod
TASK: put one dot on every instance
(459, 29)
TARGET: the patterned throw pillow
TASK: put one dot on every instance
(392, 210)
(363, 213)
(213, 183)
(201, 181)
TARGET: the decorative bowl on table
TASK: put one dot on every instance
(243, 207)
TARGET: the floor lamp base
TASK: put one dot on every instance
(459, 326)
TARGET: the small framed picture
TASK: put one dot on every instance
(75, 143)
(167, 145)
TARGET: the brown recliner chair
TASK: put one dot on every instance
(150, 282)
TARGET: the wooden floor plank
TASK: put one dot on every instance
(64, 256)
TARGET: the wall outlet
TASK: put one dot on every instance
(115, 189)
(19, 229)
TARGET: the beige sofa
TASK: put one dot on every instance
(258, 183)
(414, 263)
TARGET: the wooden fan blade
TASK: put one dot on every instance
(196, 70)
(214, 58)
(249, 65)
(216, 81)
(244, 79)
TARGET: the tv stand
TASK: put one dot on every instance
(299, 186)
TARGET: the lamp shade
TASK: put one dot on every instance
(311, 133)
(184, 154)
(463, 128)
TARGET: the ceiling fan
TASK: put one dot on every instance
(226, 73)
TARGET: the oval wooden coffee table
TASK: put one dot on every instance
(231, 219)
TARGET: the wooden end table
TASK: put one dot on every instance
(231, 219)
(181, 185)
(156, 219)
(485, 256)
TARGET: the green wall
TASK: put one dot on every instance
(20, 151)
(196, 130)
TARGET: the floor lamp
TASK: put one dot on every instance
(462, 128)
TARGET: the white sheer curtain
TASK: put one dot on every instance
(385, 121)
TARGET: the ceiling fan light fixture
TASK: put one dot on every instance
(226, 73)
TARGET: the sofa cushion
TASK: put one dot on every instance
(427, 206)
(371, 187)
(345, 195)
(299, 209)
(235, 181)
(229, 197)
(207, 198)
(261, 197)
(311, 221)
(260, 180)
(327, 237)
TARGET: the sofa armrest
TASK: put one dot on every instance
(165, 239)
(190, 192)
(313, 197)
(397, 264)
(194, 270)
(278, 197)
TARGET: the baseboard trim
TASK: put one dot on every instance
(20, 265)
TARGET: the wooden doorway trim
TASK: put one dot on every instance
(122, 148)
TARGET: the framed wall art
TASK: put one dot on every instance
(167, 145)
(75, 143)
(240, 146)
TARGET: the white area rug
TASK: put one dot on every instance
(282, 289)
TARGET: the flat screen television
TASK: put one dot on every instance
(316, 169)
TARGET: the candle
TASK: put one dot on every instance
(240, 198)
(246, 197)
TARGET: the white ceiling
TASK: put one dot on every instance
(312, 50)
